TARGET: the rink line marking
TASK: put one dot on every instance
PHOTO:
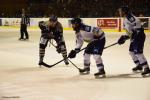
(65, 28)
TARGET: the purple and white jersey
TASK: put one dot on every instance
(88, 34)
(131, 23)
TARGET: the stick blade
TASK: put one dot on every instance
(45, 65)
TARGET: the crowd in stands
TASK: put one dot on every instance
(78, 8)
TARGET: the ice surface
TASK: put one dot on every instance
(22, 79)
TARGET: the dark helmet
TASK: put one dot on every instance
(53, 18)
(125, 9)
(76, 21)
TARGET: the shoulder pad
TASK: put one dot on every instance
(87, 28)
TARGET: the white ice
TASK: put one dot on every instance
(22, 79)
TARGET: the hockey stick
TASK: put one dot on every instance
(111, 45)
(49, 66)
(68, 58)
(74, 64)
(51, 42)
(104, 48)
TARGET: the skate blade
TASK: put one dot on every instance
(84, 73)
(146, 75)
(23, 40)
(100, 76)
(138, 71)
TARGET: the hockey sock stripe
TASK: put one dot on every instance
(85, 64)
(100, 66)
(145, 63)
(137, 62)
(42, 52)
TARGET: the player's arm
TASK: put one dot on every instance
(45, 32)
(128, 30)
(42, 25)
(79, 43)
(97, 32)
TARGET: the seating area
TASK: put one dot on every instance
(72, 8)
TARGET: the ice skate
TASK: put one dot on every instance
(100, 74)
(20, 39)
(84, 71)
(146, 72)
(137, 69)
(26, 39)
(66, 62)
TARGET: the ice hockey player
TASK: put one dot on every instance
(135, 32)
(96, 42)
(52, 29)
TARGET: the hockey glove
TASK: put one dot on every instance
(122, 39)
(73, 53)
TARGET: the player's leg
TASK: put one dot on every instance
(97, 52)
(87, 54)
(100, 66)
(139, 46)
(42, 46)
(136, 61)
(86, 69)
(133, 46)
(143, 63)
(141, 57)
(61, 48)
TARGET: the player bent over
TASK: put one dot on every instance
(96, 39)
(52, 29)
(135, 32)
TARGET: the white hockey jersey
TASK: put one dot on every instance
(88, 34)
(131, 23)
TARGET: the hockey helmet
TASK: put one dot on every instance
(76, 21)
(125, 9)
(53, 18)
